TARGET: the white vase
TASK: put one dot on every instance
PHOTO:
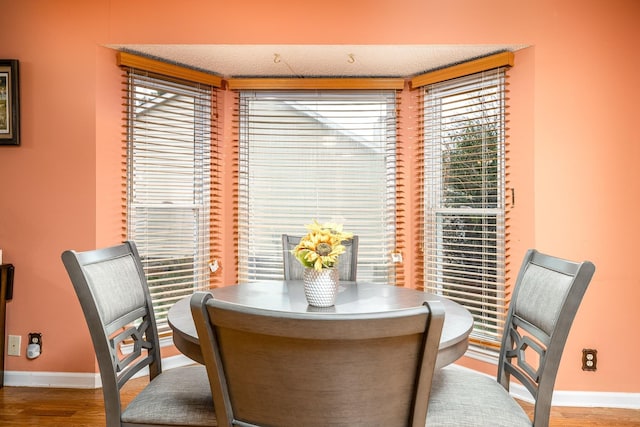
(321, 286)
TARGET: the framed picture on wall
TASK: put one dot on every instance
(9, 102)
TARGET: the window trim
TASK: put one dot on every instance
(129, 60)
(502, 59)
(315, 83)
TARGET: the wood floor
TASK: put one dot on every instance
(47, 407)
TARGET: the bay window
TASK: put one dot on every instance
(331, 155)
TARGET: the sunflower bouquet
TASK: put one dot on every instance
(322, 245)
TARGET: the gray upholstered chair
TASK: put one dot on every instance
(113, 293)
(547, 294)
(271, 368)
(347, 265)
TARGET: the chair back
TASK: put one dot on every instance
(318, 369)
(546, 297)
(347, 264)
(113, 293)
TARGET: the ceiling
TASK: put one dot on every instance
(315, 60)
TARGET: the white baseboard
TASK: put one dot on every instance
(92, 380)
(75, 379)
(51, 379)
(582, 399)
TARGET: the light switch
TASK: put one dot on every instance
(14, 345)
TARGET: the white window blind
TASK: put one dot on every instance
(168, 183)
(325, 155)
(464, 161)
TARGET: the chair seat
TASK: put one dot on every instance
(456, 390)
(177, 397)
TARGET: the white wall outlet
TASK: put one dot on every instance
(14, 345)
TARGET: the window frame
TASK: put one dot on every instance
(297, 226)
(185, 150)
(483, 345)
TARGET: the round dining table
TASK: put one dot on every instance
(353, 297)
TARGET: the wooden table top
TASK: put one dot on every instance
(353, 297)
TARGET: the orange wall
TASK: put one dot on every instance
(573, 134)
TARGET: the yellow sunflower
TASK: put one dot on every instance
(322, 246)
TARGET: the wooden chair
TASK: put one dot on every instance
(112, 289)
(546, 297)
(347, 265)
(270, 368)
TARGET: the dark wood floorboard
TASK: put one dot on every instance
(49, 407)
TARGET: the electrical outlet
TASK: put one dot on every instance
(589, 359)
(14, 345)
(34, 348)
(35, 338)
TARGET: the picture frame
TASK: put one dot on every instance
(9, 102)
